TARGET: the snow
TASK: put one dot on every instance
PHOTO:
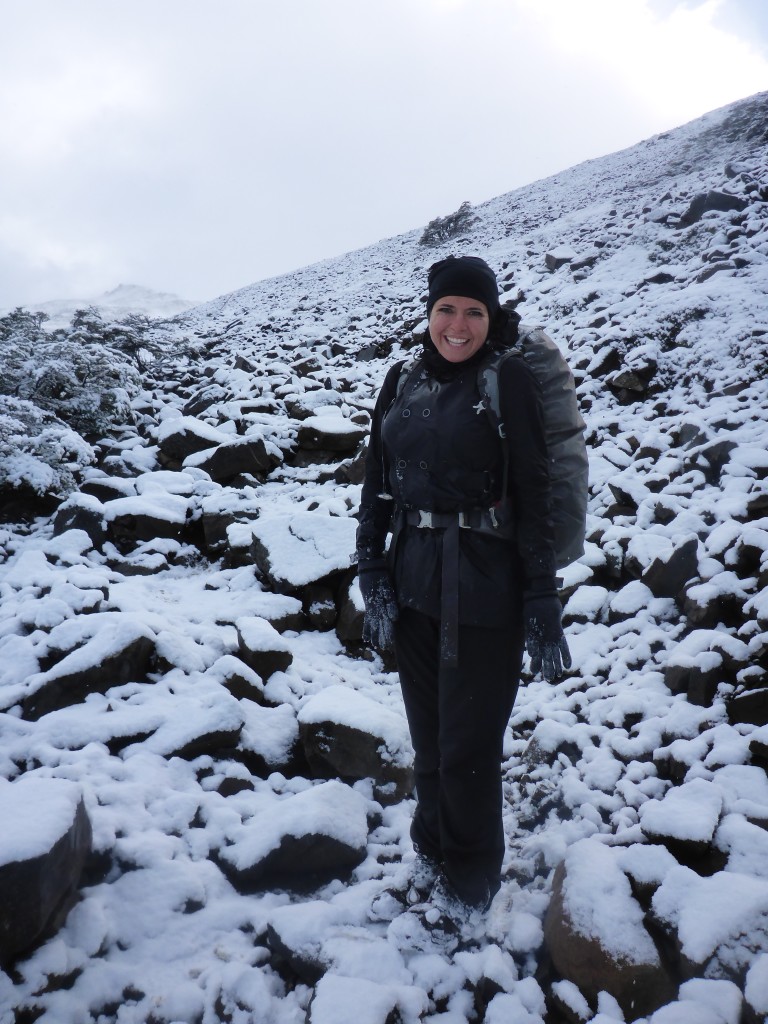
(178, 775)
(42, 812)
(599, 902)
(690, 812)
(330, 809)
(348, 707)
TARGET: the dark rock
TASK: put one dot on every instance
(557, 259)
(319, 606)
(302, 548)
(318, 834)
(246, 455)
(132, 521)
(685, 820)
(711, 458)
(261, 647)
(240, 680)
(351, 471)
(716, 268)
(704, 202)
(181, 438)
(120, 653)
(86, 514)
(330, 434)
(667, 576)
(349, 625)
(750, 708)
(351, 736)
(587, 956)
(39, 887)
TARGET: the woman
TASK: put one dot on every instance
(468, 579)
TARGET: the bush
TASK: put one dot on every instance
(441, 229)
(38, 452)
(76, 374)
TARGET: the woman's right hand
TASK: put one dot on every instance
(380, 604)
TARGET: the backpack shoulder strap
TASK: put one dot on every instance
(408, 373)
(488, 386)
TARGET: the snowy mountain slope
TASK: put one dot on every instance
(636, 792)
(116, 304)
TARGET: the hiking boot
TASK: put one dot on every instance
(443, 922)
(411, 886)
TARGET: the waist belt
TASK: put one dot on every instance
(451, 523)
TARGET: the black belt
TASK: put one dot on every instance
(451, 522)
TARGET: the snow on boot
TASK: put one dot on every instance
(442, 923)
(412, 885)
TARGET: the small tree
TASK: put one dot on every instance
(441, 229)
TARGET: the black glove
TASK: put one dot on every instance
(544, 637)
(380, 604)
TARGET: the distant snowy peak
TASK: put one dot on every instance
(122, 301)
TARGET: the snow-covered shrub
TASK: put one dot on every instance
(441, 229)
(76, 374)
(37, 451)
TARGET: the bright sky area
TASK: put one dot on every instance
(196, 147)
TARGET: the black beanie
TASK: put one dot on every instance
(468, 276)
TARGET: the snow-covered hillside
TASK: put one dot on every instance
(179, 643)
(116, 304)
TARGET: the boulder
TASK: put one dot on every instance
(349, 625)
(685, 819)
(261, 647)
(701, 661)
(595, 934)
(668, 574)
(330, 434)
(319, 606)
(301, 548)
(245, 455)
(347, 734)
(320, 833)
(749, 708)
(81, 512)
(179, 438)
(113, 649)
(269, 741)
(714, 923)
(712, 200)
(562, 256)
(147, 517)
(46, 840)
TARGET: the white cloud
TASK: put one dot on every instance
(196, 147)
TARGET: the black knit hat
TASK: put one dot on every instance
(468, 276)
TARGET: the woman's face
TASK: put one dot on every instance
(458, 327)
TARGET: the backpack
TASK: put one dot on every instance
(563, 427)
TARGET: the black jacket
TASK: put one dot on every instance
(432, 447)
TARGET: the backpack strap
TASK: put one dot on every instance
(488, 386)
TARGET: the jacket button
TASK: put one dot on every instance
(423, 465)
(406, 413)
(401, 463)
(425, 412)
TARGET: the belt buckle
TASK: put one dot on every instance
(464, 520)
(425, 520)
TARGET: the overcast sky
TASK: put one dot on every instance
(196, 146)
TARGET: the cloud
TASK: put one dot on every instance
(195, 147)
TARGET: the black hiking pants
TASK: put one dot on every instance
(457, 716)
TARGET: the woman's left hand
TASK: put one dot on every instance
(544, 637)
